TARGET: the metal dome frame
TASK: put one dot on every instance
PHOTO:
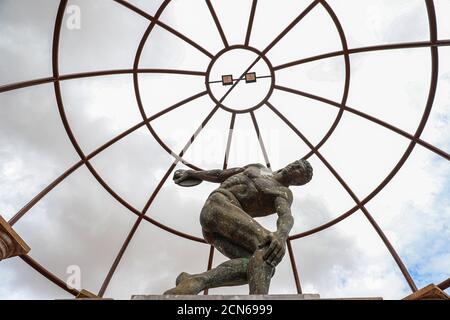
(360, 204)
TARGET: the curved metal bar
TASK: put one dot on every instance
(165, 26)
(59, 100)
(381, 47)
(345, 94)
(31, 262)
(217, 22)
(73, 139)
(389, 246)
(56, 35)
(429, 104)
(433, 86)
(137, 87)
(366, 116)
(174, 231)
(47, 274)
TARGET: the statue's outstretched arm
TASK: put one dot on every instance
(217, 176)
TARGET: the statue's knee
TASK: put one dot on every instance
(259, 255)
(208, 219)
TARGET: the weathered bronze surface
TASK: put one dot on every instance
(228, 223)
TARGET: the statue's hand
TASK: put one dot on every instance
(181, 175)
(276, 249)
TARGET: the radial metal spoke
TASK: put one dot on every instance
(375, 120)
(165, 26)
(291, 26)
(35, 82)
(250, 22)
(24, 84)
(196, 133)
(389, 246)
(230, 137)
(217, 22)
(260, 140)
(383, 47)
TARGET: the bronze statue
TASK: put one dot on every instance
(228, 223)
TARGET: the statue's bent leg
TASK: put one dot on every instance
(220, 216)
(221, 219)
(230, 273)
(254, 270)
(239, 237)
(259, 273)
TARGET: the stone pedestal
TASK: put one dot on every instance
(85, 294)
(242, 297)
(430, 292)
(11, 244)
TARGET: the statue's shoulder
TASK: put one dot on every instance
(256, 170)
(255, 165)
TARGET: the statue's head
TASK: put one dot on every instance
(297, 173)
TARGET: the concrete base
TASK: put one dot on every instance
(229, 297)
(243, 297)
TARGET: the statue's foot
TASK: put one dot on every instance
(187, 285)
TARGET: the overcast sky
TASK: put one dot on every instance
(80, 224)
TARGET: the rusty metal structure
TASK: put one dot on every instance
(359, 204)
